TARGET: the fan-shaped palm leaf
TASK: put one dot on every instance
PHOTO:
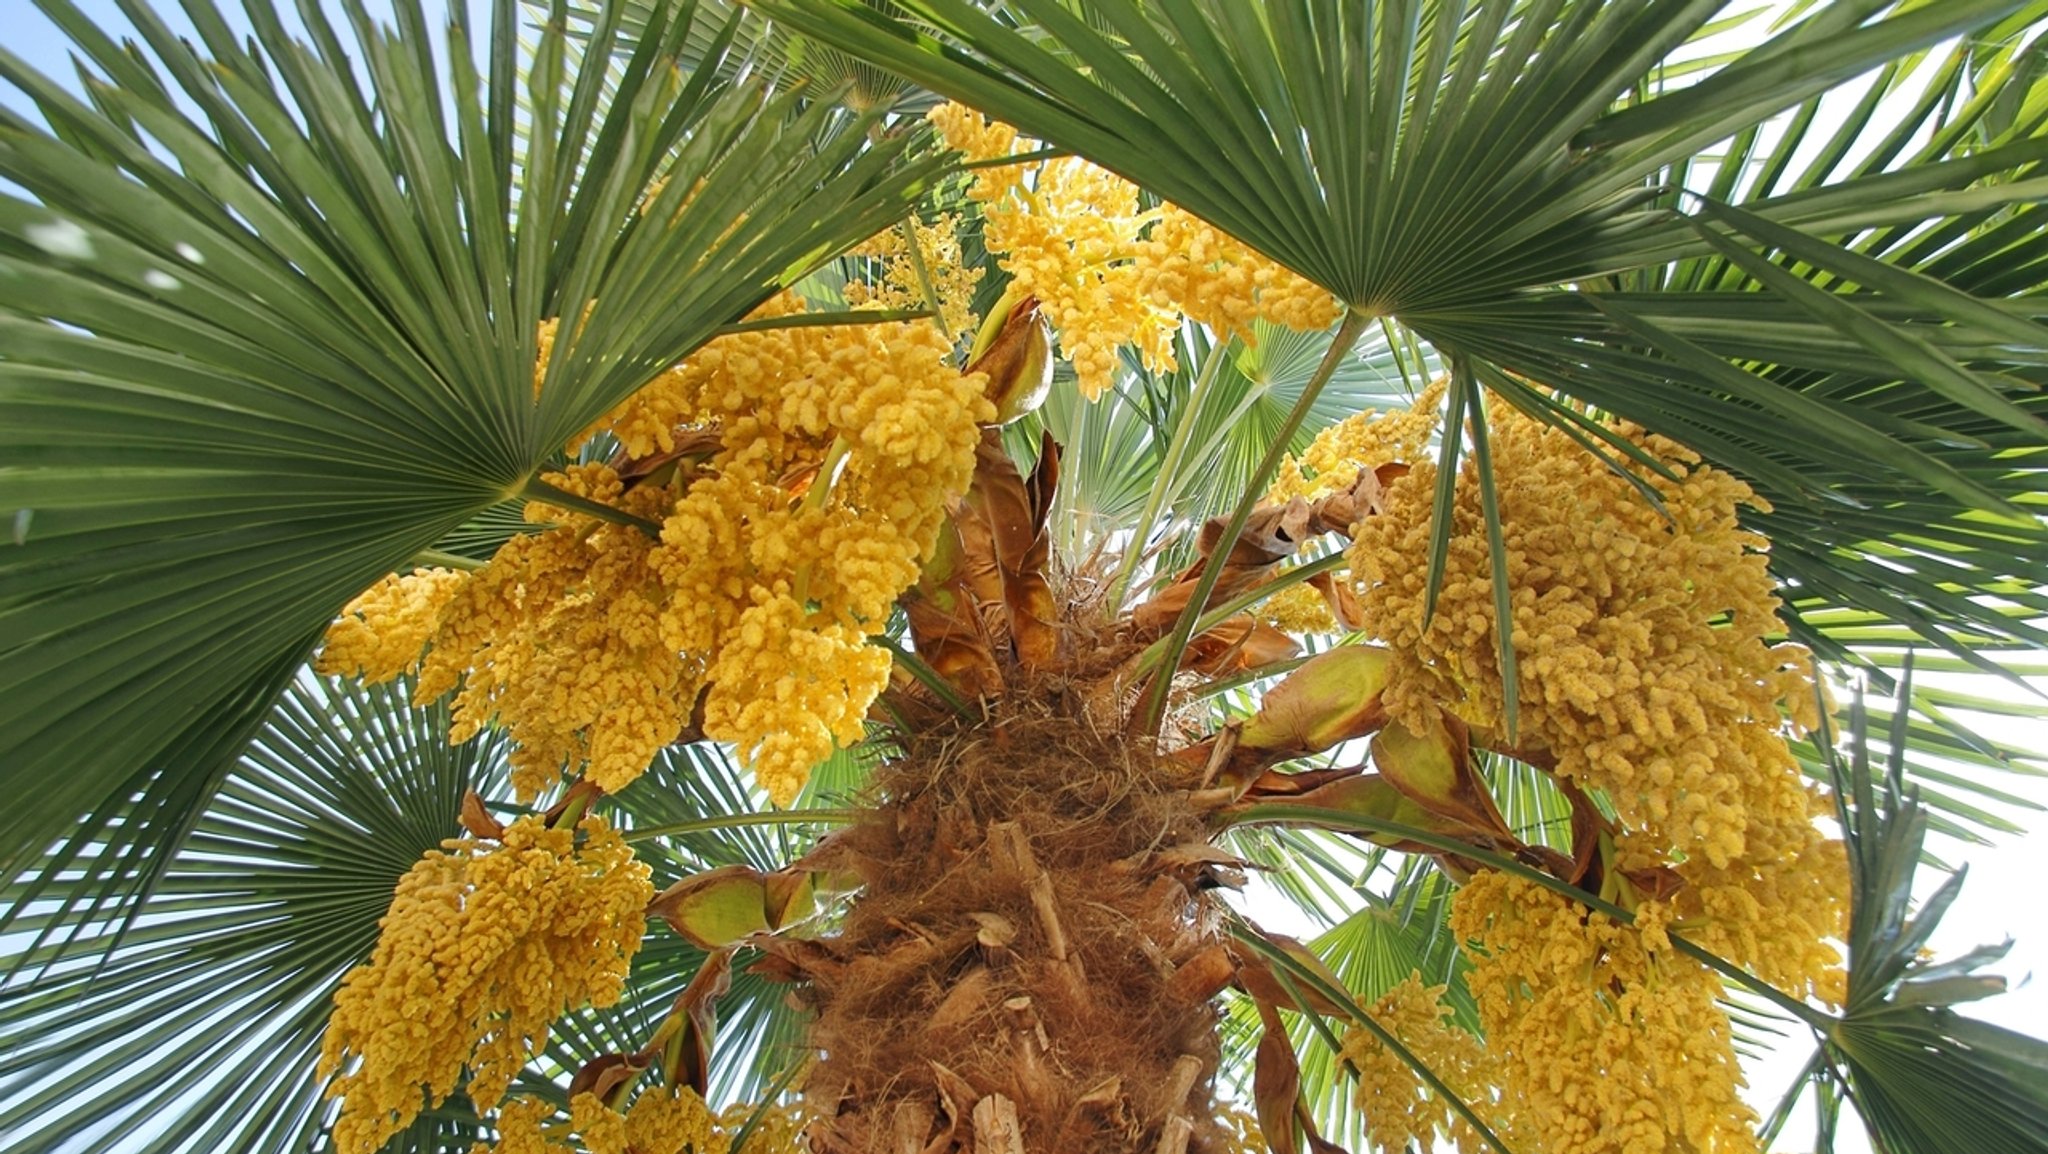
(1176, 448)
(1924, 1078)
(270, 318)
(1502, 178)
(764, 48)
(197, 1022)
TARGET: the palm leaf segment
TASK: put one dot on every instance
(1922, 1076)
(204, 1015)
(270, 317)
(198, 1022)
(1496, 176)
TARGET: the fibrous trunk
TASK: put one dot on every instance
(1031, 961)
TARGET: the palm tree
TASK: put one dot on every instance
(272, 310)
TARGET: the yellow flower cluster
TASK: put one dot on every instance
(1598, 1037)
(1774, 910)
(897, 284)
(660, 1121)
(1364, 440)
(523, 1129)
(381, 633)
(1298, 609)
(546, 345)
(978, 138)
(779, 591)
(1400, 1110)
(1240, 1130)
(1108, 273)
(556, 639)
(1641, 637)
(1332, 462)
(837, 448)
(1068, 240)
(485, 945)
(1188, 264)
(1645, 670)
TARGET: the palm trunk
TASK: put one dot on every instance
(1031, 962)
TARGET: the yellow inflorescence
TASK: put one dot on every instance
(523, 1129)
(1108, 273)
(1644, 665)
(1364, 440)
(1641, 637)
(555, 639)
(1599, 1038)
(1187, 264)
(659, 1121)
(485, 945)
(382, 631)
(778, 591)
(1775, 910)
(1298, 609)
(1399, 1108)
(978, 138)
(1069, 239)
(780, 554)
(898, 284)
(1645, 671)
(1360, 441)
(546, 346)
(1240, 1130)
(778, 1128)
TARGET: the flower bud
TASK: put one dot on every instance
(1333, 697)
(1014, 347)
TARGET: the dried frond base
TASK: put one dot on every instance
(1031, 964)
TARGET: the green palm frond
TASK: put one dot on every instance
(480, 537)
(1231, 424)
(203, 1013)
(270, 315)
(1104, 460)
(1173, 449)
(1504, 180)
(761, 48)
(198, 1020)
(1924, 1078)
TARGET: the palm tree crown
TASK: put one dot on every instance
(909, 498)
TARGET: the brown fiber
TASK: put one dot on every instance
(1014, 946)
